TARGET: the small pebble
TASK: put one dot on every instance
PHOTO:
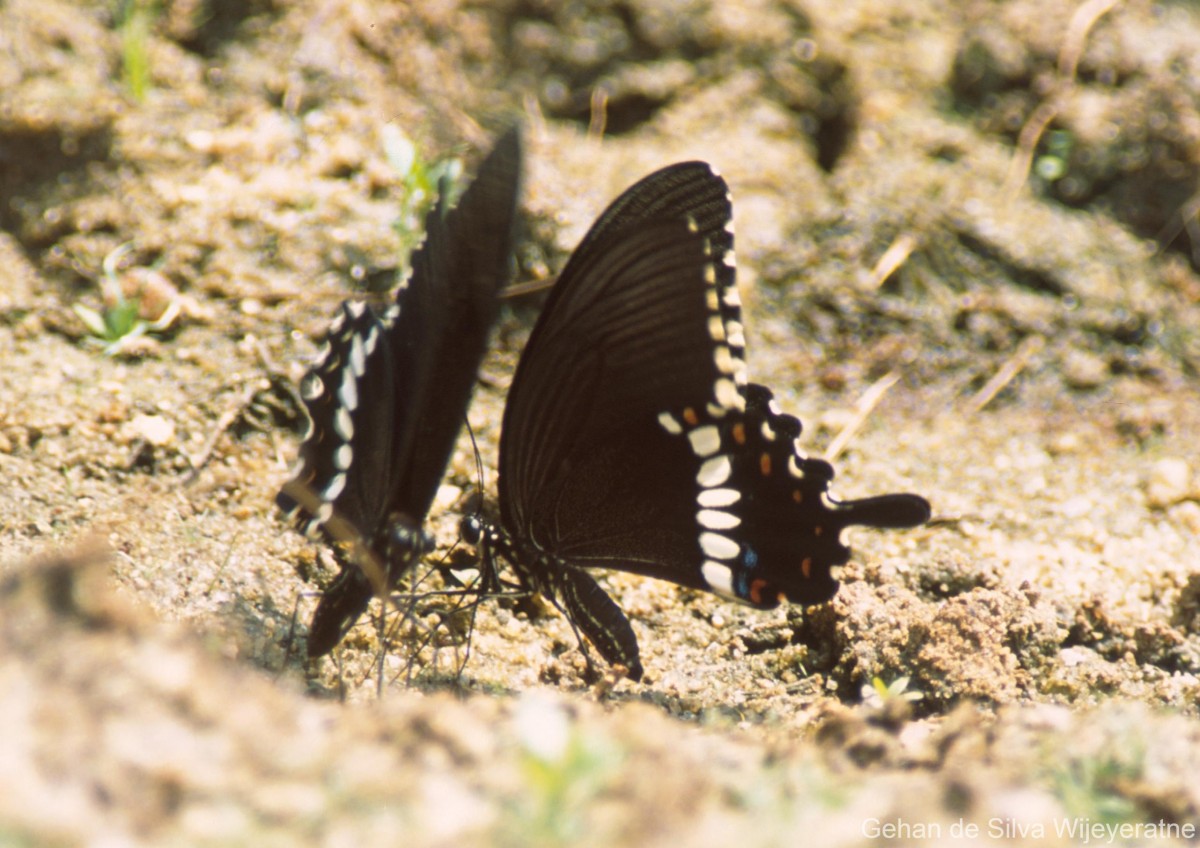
(1084, 370)
(1188, 514)
(1169, 482)
(154, 429)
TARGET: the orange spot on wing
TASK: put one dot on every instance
(690, 416)
(762, 593)
(764, 464)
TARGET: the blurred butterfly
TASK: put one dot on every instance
(387, 398)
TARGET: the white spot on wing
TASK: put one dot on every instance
(717, 519)
(372, 340)
(736, 333)
(727, 394)
(348, 393)
(343, 424)
(331, 492)
(718, 547)
(670, 423)
(718, 497)
(705, 440)
(794, 469)
(358, 356)
(714, 472)
(719, 577)
(342, 457)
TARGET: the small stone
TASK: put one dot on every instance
(1188, 514)
(1169, 482)
(1076, 507)
(154, 429)
(1084, 370)
(1065, 443)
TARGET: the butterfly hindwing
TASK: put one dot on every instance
(768, 529)
(346, 457)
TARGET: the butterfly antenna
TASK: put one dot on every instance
(478, 456)
(489, 575)
(383, 647)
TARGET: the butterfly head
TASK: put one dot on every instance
(404, 541)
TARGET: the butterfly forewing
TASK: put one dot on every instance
(582, 392)
(687, 190)
(470, 260)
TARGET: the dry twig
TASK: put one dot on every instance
(862, 410)
(1082, 21)
(895, 256)
(1013, 366)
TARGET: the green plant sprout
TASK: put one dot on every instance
(121, 323)
(1051, 166)
(564, 771)
(879, 694)
(1091, 788)
(421, 181)
(135, 18)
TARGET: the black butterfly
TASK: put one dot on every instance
(386, 400)
(631, 439)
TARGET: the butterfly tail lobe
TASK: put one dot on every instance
(888, 512)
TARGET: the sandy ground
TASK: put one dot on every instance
(1045, 333)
